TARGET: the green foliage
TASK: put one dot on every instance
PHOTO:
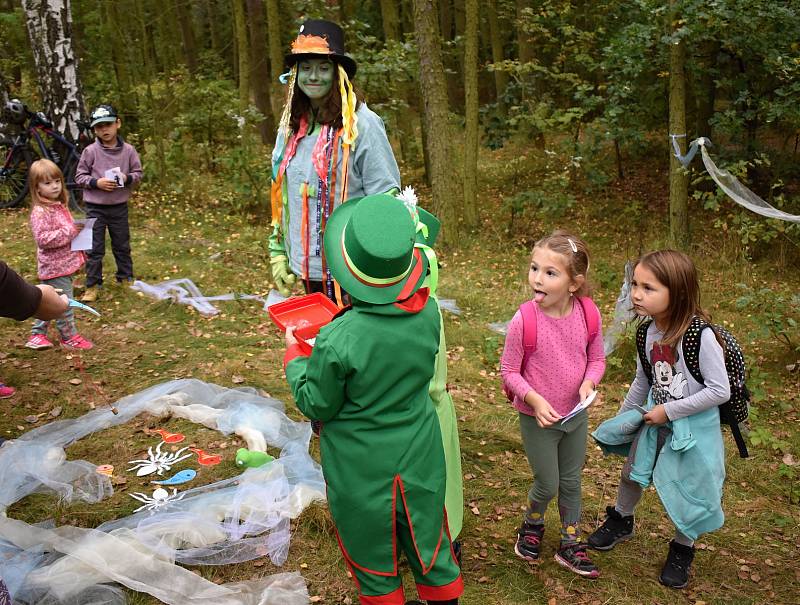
(776, 314)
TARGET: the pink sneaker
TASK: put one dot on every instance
(77, 343)
(38, 341)
(6, 391)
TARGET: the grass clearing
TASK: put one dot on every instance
(140, 342)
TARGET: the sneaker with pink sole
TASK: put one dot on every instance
(38, 341)
(6, 391)
(77, 343)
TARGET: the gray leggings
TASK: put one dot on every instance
(630, 492)
(556, 455)
(65, 323)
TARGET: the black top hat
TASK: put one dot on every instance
(317, 37)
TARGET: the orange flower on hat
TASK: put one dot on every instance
(316, 45)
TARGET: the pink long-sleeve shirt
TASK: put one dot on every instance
(53, 229)
(561, 362)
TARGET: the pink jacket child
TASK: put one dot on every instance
(53, 230)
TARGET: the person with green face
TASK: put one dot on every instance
(330, 148)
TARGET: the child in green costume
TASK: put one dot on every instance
(368, 380)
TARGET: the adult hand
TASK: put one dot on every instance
(106, 184)
(284, 279)
(658, 415)
(289, 337)
(52, 305)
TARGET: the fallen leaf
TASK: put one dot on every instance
(55, 412)
(789, 460)
(75, 381)
(32, 419)
(237, 379)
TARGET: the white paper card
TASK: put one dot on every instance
(115, 174)
(580, 407)
(83, 241)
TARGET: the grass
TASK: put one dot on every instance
(140, 342)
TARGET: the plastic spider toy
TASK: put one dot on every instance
(161, 497)
(157, 461)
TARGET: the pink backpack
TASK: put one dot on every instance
(590, 312)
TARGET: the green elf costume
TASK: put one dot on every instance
(427, 232)
(368, 380)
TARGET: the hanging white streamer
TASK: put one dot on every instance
(738, 192)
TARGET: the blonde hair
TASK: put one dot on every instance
(676, 271)
(43, 170)
(575, 253)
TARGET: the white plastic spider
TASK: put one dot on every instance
(161, 497)
(157, 461)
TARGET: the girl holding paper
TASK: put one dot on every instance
(545, 380)
(53, 230)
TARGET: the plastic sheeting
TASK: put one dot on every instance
(230, 521)
(738, 192)
(183, 291)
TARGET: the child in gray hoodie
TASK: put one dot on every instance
(108, 170)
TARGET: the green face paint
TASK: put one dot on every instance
(315, 78)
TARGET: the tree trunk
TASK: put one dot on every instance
(445, 187)
(390, 18)
(259, 76)
(211, 23)
(471, 113)
(500, 77)
(277, 95)
(524, 39)
(242, 53)
(678, 176)
(119, 51)
(183, 10)
(50, 32)
(707, 87)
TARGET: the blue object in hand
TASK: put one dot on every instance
(79, 305)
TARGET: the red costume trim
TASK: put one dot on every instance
(453, 590)
(293, 352)
(413, 278)
(415, 303)
(425, 569)
(397, 597)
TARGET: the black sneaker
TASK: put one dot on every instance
(457, 550)
(614, 529)
(529, 538)
(675, 572)
(575, 558)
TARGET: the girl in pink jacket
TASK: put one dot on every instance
(53, 230)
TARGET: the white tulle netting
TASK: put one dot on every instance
(230, 521)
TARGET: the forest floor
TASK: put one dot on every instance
(140, 342)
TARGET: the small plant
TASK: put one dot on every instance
(776, 314)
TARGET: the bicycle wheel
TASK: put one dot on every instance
(13, 175)
(74, 192)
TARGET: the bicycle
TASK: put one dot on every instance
(35, 140)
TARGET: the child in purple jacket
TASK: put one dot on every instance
(108, 169)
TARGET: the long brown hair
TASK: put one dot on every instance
(330, 111)
(576, 259)
(42, 170)
(676, 271)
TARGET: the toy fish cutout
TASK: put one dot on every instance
(206, 459)
(170, 437)
(178, 478)
(79, 305)
(105, 469)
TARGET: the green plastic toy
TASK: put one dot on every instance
(251, 459)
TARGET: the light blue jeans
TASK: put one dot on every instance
(65, 323)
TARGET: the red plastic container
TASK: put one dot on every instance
(308, 313)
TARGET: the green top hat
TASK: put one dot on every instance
(432, 224)
(369, 248)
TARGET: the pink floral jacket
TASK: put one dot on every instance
(53, 229)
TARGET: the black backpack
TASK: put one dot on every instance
(733, 411)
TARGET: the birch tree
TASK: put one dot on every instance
(49, 24)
